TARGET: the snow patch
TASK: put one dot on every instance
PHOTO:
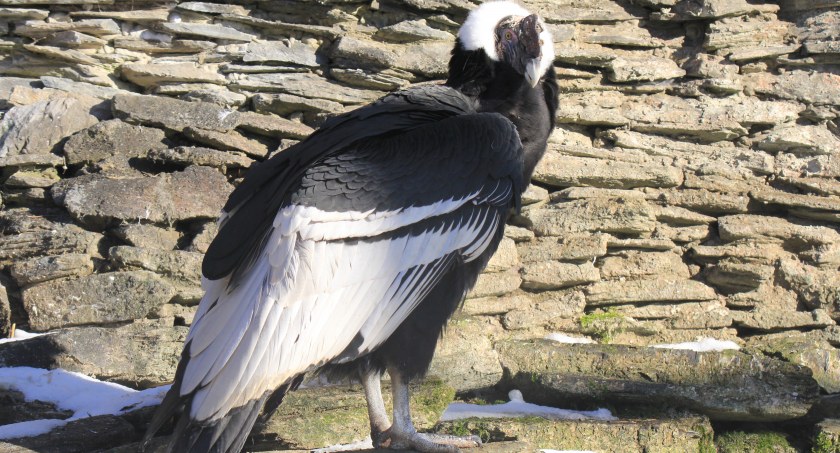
(83, 395)
(517, 407)
(568, 339)
(20, 334)
(702, 345)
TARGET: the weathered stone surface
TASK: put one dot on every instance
(178, 46)
(636, 264)
(733, 276)
(427, 58)
(306, 85)
(548, 275)
(32, 178)
(273, 52)
(818, 288)
(661, 289)
(734, 32)
(412, 30)
(147, 236)
(715, 9)
(58, 240)
(213, 8)
(634, 217)
(820, 88)
(285, 104)
(112, 138)
(793, 200)
(229, 141)
(465, 355)
(273, 126)
(173, 114)
(623, 70)
(496, 284)
(769, 320)
(689, 315)
(572, 247)
(5, 312)
(547, 309)
(809, 349)
(559, 170)
(74, 40)
(96, 27)
(373, 80)
(173, 264)
(208, 157)
(209, 31)
(140, 354)
(94, 299)
(38, 128)
(506, 257)
(148, 75)
(757, 227)
(677, 434)
(803, 140)
(99, 201)
(43, 268)
(722, 385)
(75, 436)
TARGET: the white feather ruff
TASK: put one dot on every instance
(479, 30)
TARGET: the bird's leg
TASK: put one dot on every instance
(402, 435)
(377, 413)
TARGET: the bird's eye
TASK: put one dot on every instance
(508, 36)
(539, 28)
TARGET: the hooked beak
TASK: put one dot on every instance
(532, 74)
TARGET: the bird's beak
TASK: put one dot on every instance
(532, 69)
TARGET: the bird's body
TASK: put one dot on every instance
(350, 250)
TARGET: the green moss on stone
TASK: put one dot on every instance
(753, 442)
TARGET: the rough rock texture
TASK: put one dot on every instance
(691, 189)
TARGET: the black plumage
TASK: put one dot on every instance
(350, 250)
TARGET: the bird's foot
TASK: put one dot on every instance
(423, 442)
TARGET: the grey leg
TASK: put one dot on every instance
(376, 407)
(403, 435)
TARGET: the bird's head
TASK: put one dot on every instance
(508, 33)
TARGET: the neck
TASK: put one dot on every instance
(496, 87)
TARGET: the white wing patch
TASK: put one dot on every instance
(322, 279)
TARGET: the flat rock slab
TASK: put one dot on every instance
(99, 201)
(427, 59)
(659, 289)
(320, 416)
(206, 157)
(209, 31)
(78, 436)
(750, 226)
(149, 75)
(63, 239)
(727, 385)
(274, 52)
(42, 268)
(141, 354)
(630, 217)
(94, 299)
(112, 138)
(682, 434)
(173, 114)
(37, 128)
(558, 170)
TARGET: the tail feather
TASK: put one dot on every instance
(226, 434)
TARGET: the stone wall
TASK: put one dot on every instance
(691, 188)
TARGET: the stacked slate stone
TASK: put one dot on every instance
(691, 190)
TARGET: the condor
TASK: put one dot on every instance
(348, 252)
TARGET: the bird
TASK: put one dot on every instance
(347, 252)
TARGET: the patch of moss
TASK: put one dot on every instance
(603, 324)
(824, 443)
(753, 442)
